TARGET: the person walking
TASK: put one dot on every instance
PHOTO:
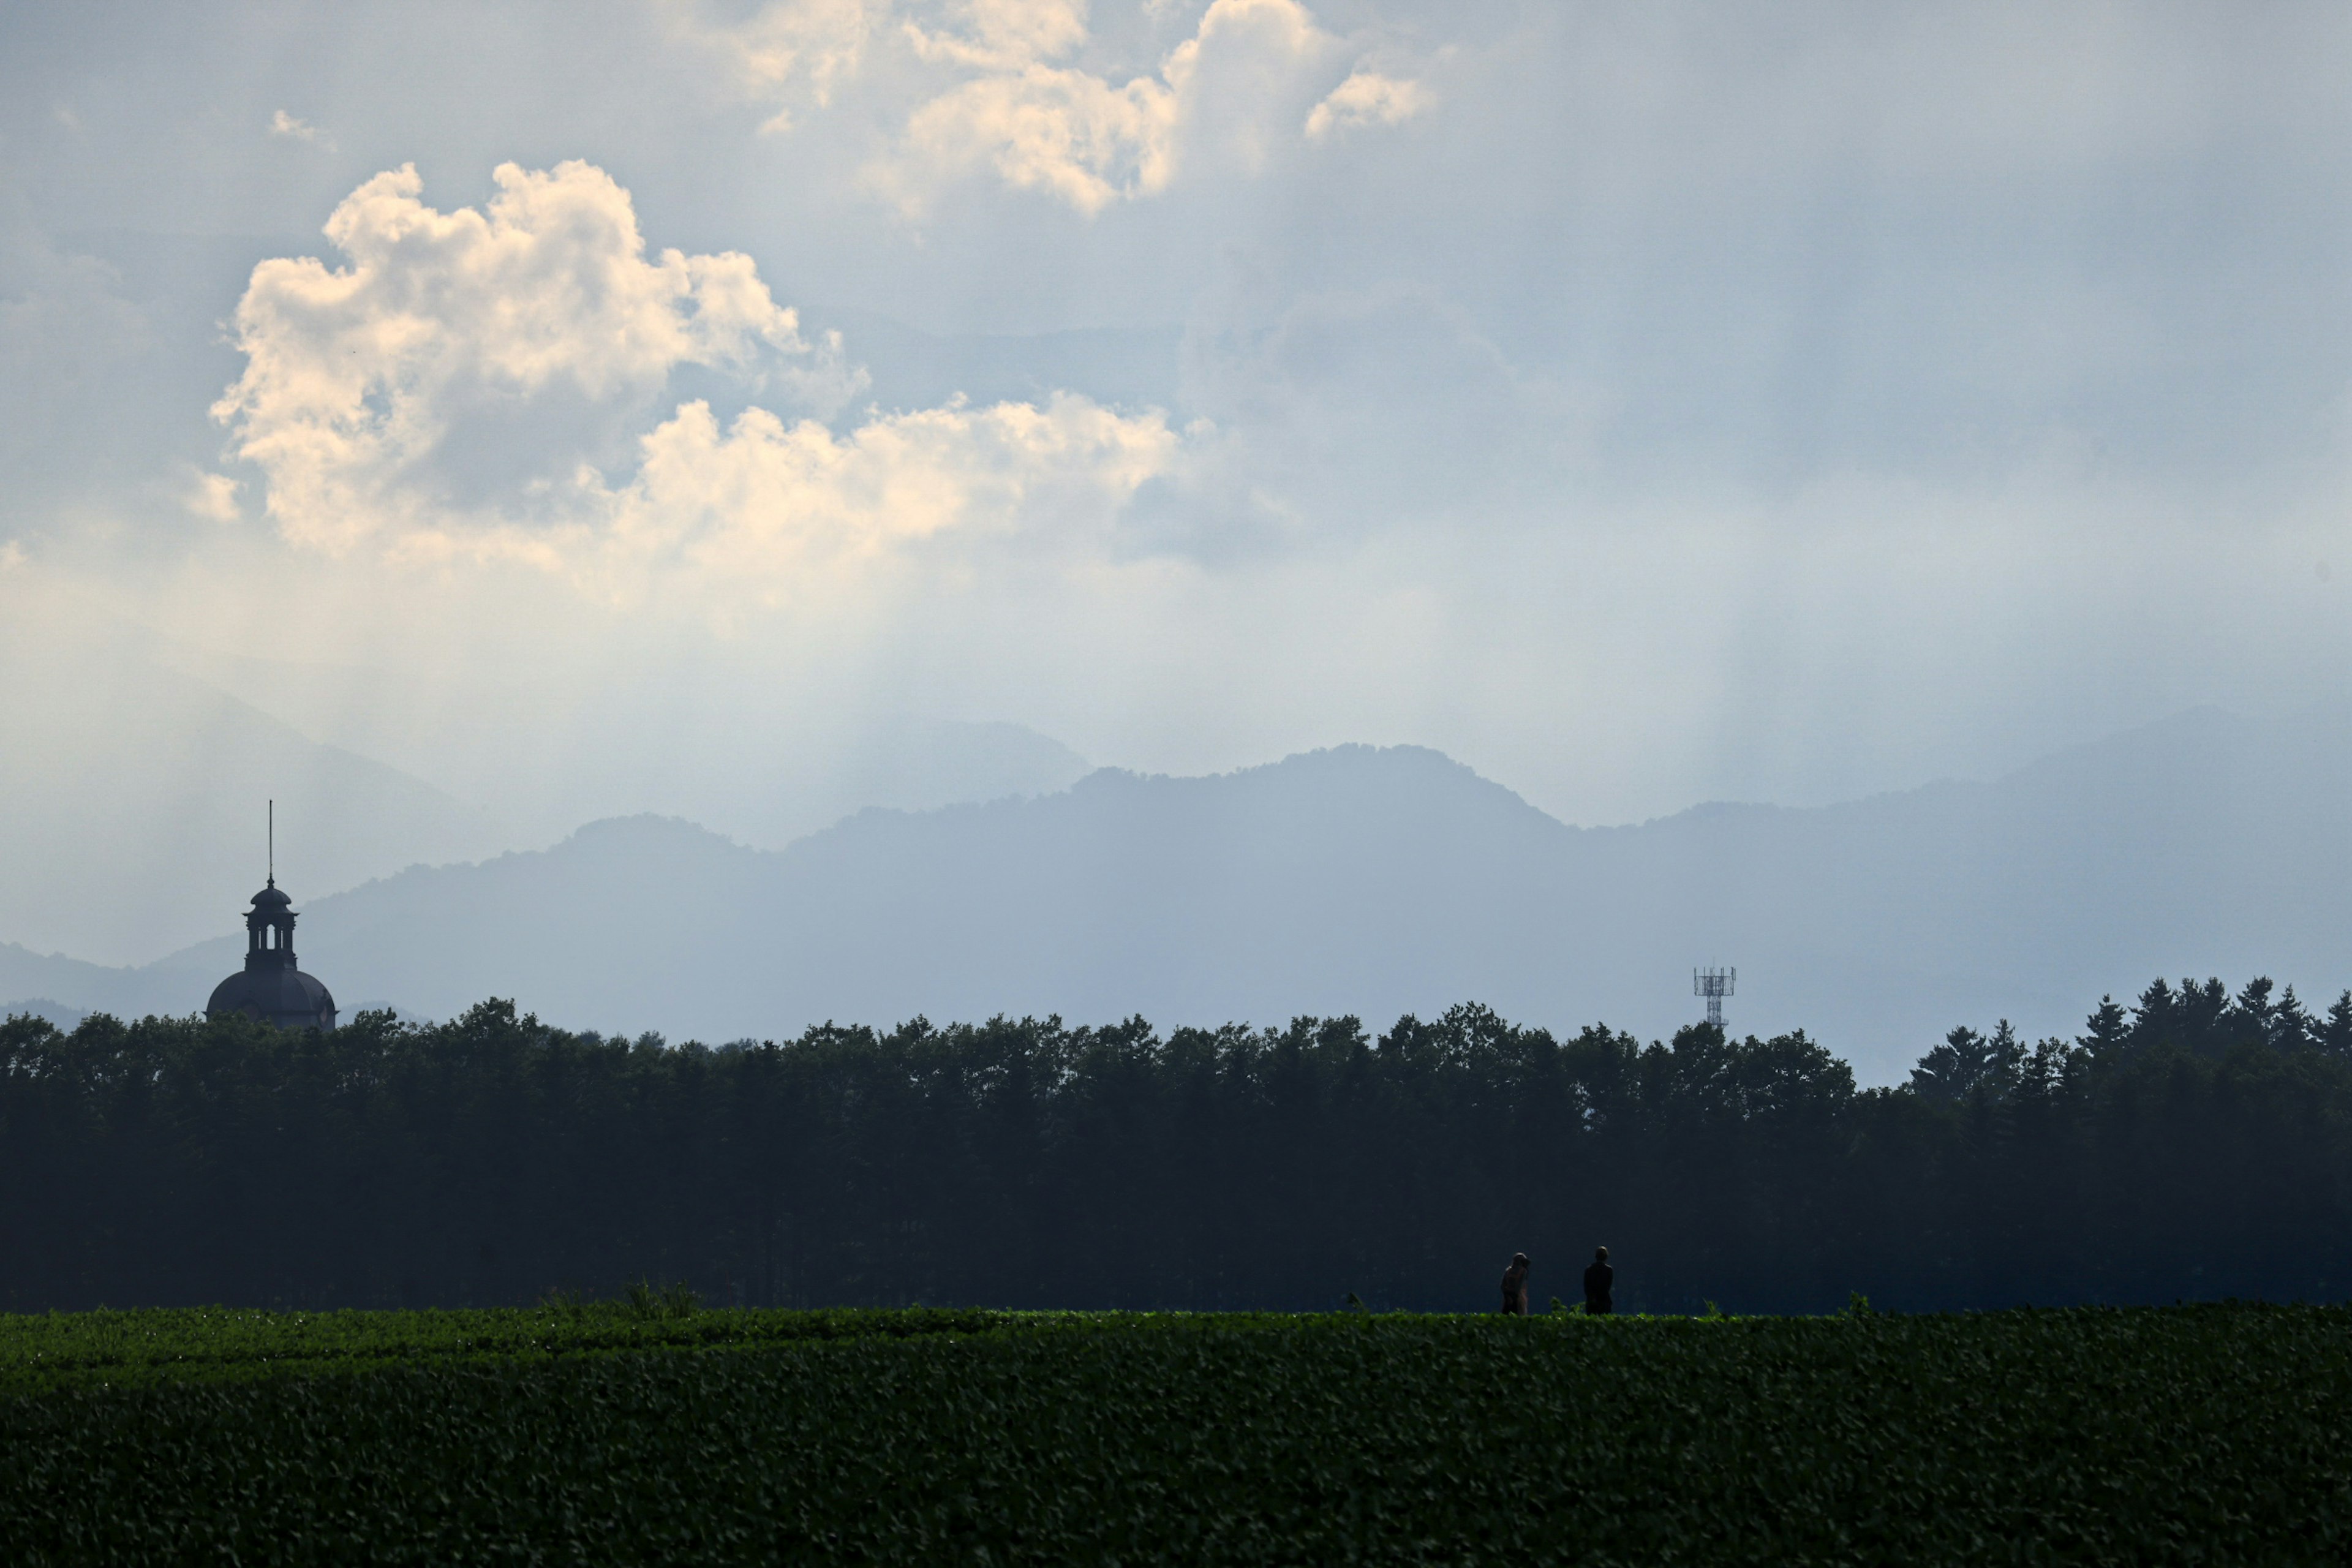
(1598, 1280)
(1515, 1284)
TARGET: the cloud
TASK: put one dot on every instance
(1521, 412)
(213, 497)
(371, 394)
(1367, 98)
(1066, 133)
(1008, 34)
(283, 124)
(356, 378)
(778, 510)
(789, 50)
(1229, 96)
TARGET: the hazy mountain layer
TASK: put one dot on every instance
(1382, 882)
(134, 772)
(135, 794)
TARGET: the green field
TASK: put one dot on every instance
(612, 1434)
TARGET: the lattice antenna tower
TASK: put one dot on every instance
(1713, 984)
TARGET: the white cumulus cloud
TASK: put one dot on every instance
(773, 505)
(428, 399)
(789, 50)
(212, 496)
(1007, 34)
(283, 124)
(1229, 96)
(1367, 98)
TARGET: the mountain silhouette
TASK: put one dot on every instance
(135, 802)
(1377, 881)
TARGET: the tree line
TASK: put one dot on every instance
(2195, 1144)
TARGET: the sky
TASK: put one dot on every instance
(610, 407)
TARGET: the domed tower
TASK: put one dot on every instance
(269, 987)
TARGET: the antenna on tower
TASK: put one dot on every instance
(1713, 984)
(273, 843)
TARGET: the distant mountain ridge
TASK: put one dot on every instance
(1377, 881)
(133, 791)
(134, 772)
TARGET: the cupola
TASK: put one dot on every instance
(269, 986)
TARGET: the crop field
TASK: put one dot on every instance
(655, 1431)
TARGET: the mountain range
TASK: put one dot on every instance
(134, 772)
(1378, 881)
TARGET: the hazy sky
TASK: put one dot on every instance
(599, 407)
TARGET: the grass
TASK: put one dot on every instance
(629, 1434)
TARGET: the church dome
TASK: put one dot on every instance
(270, 987)
(286, 997)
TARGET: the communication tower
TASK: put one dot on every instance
(1713, 984)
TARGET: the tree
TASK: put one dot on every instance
(2336, 1035)
(1027, 1162)
(2109, 1031)
(1972, 1067)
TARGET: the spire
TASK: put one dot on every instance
(272, 986)
(269, 923)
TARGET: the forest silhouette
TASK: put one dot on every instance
(2197, 1144)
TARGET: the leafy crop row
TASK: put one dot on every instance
(153, 1345)
(2080, 1436)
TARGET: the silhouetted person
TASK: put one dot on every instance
(1599, 1279)
(1515, 1284)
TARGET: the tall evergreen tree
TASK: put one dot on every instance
(1027, 1162)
